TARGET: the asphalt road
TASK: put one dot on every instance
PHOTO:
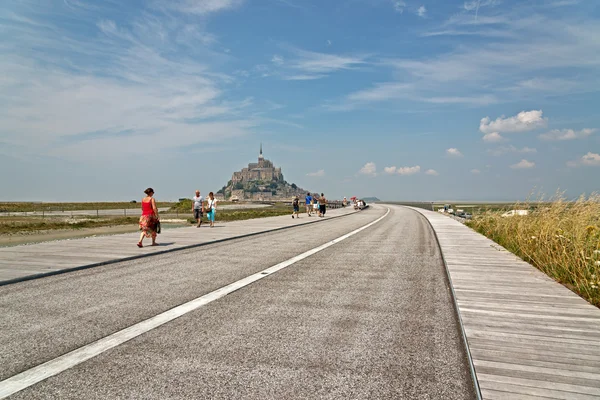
(369, 317)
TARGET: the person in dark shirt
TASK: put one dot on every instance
(296, 205)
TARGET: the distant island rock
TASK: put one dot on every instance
(370, 199)
(260, 181)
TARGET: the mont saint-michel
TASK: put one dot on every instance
(260, 181)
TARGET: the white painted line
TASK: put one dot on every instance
(53, 367)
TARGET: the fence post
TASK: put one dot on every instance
(125, 212)
(97, 213)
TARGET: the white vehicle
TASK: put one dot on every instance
(512, 213)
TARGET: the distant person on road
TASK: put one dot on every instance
(211, 207)
(322, 205)
(296, 205)
(344, 202)
(149, 219)
(198, 208)
(309, 202)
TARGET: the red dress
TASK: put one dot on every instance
(148, 220)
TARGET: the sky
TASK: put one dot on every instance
(403, 100)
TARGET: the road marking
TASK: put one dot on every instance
(53, 367)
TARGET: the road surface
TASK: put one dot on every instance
(368, 317)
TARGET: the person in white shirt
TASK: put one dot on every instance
(211, 207)
(198, 208)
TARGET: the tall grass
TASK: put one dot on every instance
(561, 239)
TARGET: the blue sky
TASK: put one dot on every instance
(404, 100)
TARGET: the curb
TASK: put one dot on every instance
(136, 257)
(456, 308)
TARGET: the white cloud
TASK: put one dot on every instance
(493, 137)
(475, 171)
(408, 170)
(523, 164)
(452, 152)
(399, 5)
(590, 159)
(277, 60)
(303, 77)
(319, 173)
(422, 12)
(522, 122)
(368, 169)
(512, 149)
(432, 172)
(200, 7)
(329, 42)
(566, 134)
(405, 170)
(322, 63)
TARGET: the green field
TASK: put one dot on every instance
(9, 207)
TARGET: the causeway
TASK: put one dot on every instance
(528, 336)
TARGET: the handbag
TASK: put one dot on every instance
(157, 227)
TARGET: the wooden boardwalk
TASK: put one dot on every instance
(529, 337)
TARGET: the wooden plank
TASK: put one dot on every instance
(529, 336)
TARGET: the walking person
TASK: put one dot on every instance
(322, 205)
(315, 204)
(211, 207)
(198, 208)
(149, 220)
(296, 205)
(309, 201)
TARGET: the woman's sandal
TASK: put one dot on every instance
(139, 244)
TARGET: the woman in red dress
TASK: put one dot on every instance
(149, 218)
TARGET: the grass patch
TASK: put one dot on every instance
(16, 225)
(31, 207)
(249, 213)
(561, 238)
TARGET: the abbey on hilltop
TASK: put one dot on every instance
(260, 181)
(263, 170)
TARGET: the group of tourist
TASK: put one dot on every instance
(198, 208)
(314, 204)
(150, 221)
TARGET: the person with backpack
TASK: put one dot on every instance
(296, 205)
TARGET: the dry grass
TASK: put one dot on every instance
(562, 240)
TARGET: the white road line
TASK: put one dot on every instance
(53, 367)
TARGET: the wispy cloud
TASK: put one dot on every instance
(323, 63)
(398, 5)
(566, 134)
(431, 172)
(512, 149)
(318, 174)
(199, 7)
(475, 171)
(118, 80)
(277, 60)
(422, 12)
